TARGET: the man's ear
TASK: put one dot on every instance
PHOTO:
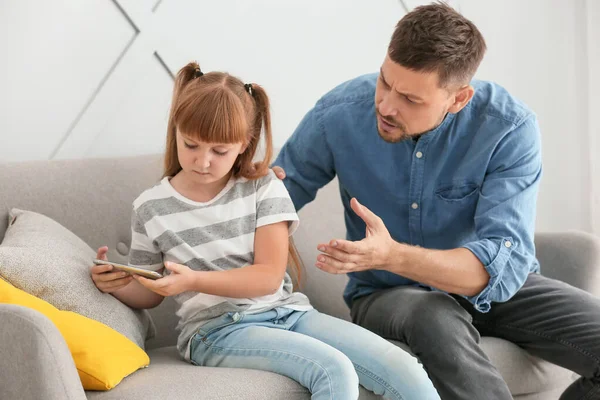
(461, 98)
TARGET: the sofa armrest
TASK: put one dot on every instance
(572, 257)
(35, 362)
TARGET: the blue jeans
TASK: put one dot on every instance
(327, 355)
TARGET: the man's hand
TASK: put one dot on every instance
(343, 256)
(181, 279)
(279, 172)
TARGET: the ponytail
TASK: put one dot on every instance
(260, 124)
(184, 76)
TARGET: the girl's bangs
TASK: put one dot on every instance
(217, 116)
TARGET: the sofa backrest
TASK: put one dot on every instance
(93, 198)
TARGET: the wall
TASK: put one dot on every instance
(537, 50)
(592, 8)
(94, 78)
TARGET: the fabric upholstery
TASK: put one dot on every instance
(93, 199)
(572, 257)
(34, 358)
(171, 378)
(103, 356)
(48, 261)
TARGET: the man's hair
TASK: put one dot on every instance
(437, 38)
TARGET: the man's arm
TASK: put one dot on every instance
(490, 269)
(454, 271)
(306, 159)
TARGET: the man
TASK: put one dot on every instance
(440, 248)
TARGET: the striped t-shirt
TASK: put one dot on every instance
(215, 235)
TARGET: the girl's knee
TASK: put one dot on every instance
(348, 373)
(342, 377)
(399, 375)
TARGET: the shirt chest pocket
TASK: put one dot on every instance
(458, 193)
(454, 206)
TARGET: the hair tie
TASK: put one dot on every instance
(198, 73)
(248, 87)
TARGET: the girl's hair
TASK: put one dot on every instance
(218, 108)
(215, 107)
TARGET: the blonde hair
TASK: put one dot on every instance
(216, 107)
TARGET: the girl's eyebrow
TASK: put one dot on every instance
(193, 141)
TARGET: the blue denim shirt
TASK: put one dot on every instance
(471, 182)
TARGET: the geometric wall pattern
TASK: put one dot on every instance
(94, 78)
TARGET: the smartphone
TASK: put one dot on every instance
(132, 270)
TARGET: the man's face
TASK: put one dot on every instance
(409, 103)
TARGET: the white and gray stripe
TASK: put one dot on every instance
(213, 236)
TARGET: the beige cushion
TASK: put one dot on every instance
(43, 258)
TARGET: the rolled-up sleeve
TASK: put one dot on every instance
(306, 159)
(505, 214)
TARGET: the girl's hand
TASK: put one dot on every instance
(181, 279)
(105, 280)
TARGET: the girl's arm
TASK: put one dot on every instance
(135, 295)
(262, 278)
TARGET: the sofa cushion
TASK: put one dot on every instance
(169, 377)
(102, 356)
(41, 257)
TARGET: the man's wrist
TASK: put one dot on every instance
(396, 258)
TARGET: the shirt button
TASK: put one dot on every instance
(419, 154)
(414, 206)
(507, 244)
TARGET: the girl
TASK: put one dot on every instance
(220, 225)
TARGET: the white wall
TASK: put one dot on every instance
(537, 50)
(593, 51)
(94, 78)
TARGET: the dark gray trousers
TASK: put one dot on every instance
(550, 319)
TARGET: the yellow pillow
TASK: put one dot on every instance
(103, 356)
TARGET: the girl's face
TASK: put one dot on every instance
(205, 163)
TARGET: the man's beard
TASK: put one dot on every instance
(399, 133)
(403, 134)
(394, 138)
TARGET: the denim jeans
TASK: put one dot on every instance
(327, 355)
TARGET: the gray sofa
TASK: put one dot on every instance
(93, 199)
